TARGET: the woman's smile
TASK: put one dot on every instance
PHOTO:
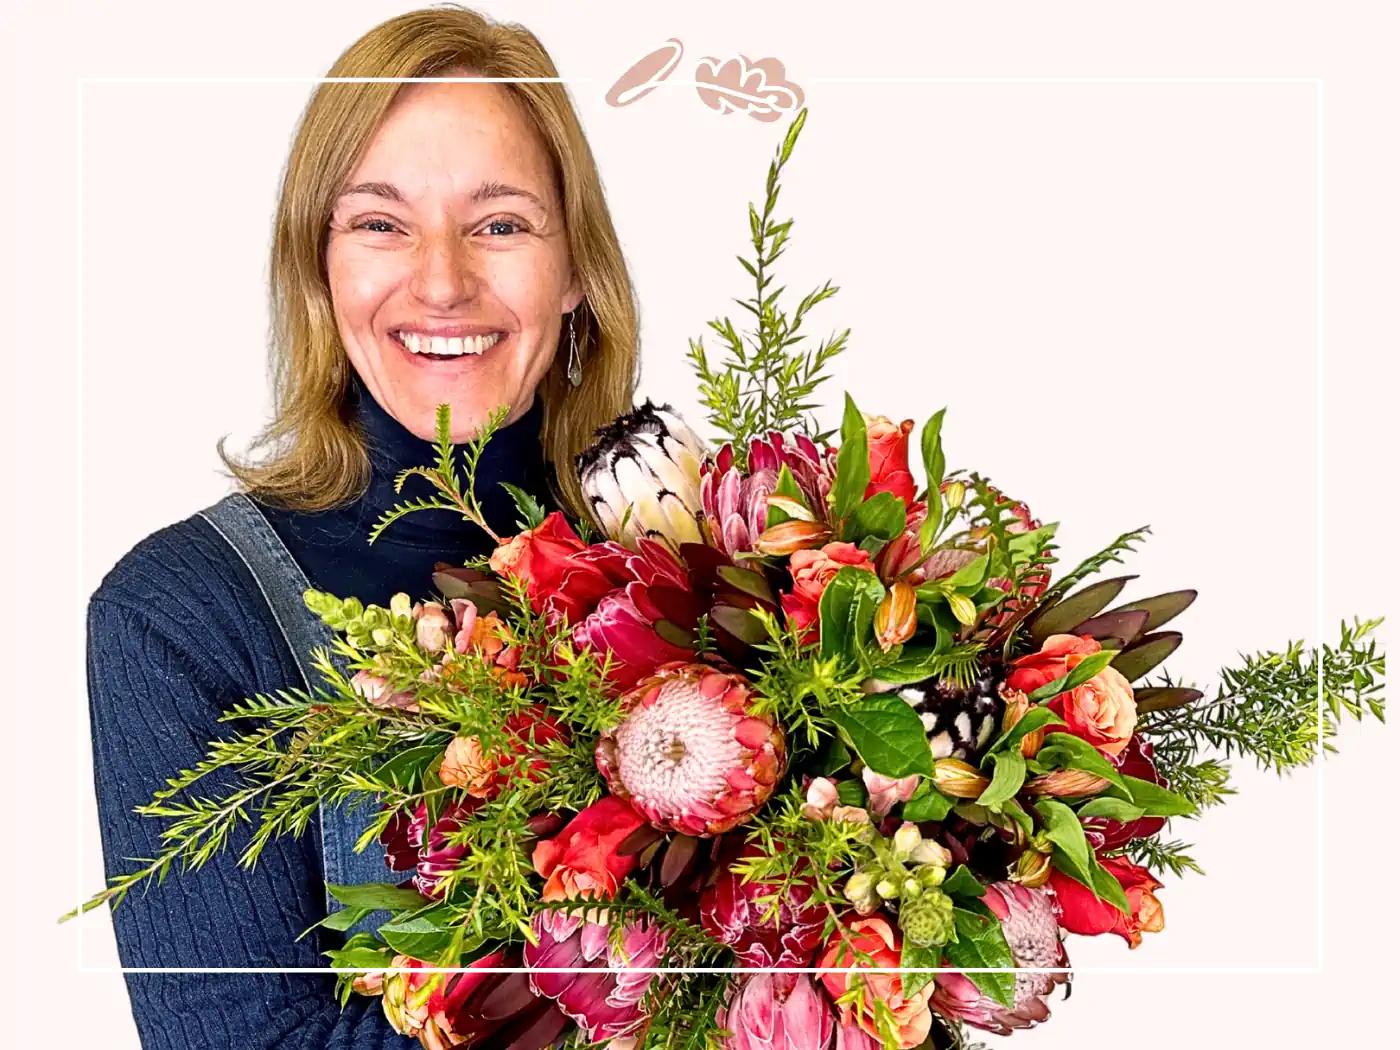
(445, 348)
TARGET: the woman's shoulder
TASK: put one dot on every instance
(187, 585)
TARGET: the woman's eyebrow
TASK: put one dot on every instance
(489, 190)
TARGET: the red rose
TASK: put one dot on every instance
(811, 572)
(889, 458)
(1083, 913)
(582, 860)
(563, 574)
(1101, 711)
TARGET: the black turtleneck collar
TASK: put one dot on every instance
(333, 546)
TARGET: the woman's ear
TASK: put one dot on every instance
(574, 295)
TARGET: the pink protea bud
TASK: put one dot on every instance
(690, 755)
(733, 913)
(776, 1011)
(1032, 933)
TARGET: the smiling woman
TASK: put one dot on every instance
(442, 241)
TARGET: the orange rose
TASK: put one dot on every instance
(1101, 712)
(811, 572)
(879, 940)
(466, 765)
(582, 860)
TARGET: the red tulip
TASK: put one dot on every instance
(1083, 913)
(889, 458)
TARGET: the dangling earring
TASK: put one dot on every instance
(575, 371)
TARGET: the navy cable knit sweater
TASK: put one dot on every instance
(177, 632)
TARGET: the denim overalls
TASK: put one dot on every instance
(239, 521)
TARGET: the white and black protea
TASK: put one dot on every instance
(641, 476)
(960, 723)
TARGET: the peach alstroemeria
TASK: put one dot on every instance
(885, 791)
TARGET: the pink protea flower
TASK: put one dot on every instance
(732, 913)
(625, 622)
(436, 856)
(735, 501)
(1033, 934)
(604, 1002)
(689, 755)
(777, 1011)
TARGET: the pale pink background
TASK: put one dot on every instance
(1148, 252)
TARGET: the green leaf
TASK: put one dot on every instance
(530, 510)
(847, 611)
(407, 766)
(962, 883)
(786, 486)
(377, 895)
(1146, 653)
(1086, 669)
(887, 735)
(972, 575)
(1155, 800)
(422, 936)
(1012, 808)
(981, 943)
(1076, 608)
(914, 958)
(1110, 809)
(852, 464)
(1066, 751)
(1035, 718)
(1064, 830)
(1007, 780)
(834, 757)
(931, 443)
(343, 919)
(851, 793)
(928, 803)
(360, 958)
(1106, 887)
(881, 517)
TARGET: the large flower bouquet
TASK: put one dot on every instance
(797, 752)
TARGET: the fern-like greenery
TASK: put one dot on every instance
(764, 381)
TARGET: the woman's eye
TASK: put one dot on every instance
(368, 224)
(514, 227)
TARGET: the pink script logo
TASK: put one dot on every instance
(736, 85)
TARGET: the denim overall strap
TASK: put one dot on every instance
(239, 521)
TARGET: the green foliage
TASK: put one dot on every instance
(1093, 564)
(765, 381)
(455, 491)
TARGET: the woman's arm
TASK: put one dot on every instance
(154, 708)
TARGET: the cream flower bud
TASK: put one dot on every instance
(887, 888)
(401, 605)
(906, 840)
(931, 853)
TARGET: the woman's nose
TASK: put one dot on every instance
(444, 271)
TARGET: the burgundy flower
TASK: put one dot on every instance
(482, 1002)
(731, 911)
(436, 856)
(605, 1002)
(626, 621)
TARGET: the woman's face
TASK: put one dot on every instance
(448, 261)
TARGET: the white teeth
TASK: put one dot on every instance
(472, 344)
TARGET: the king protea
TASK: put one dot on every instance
(641, 476)
(690, 755)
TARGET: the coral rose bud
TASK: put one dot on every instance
(895, 617)
(465, 766)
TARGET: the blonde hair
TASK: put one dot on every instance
(318, 455)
